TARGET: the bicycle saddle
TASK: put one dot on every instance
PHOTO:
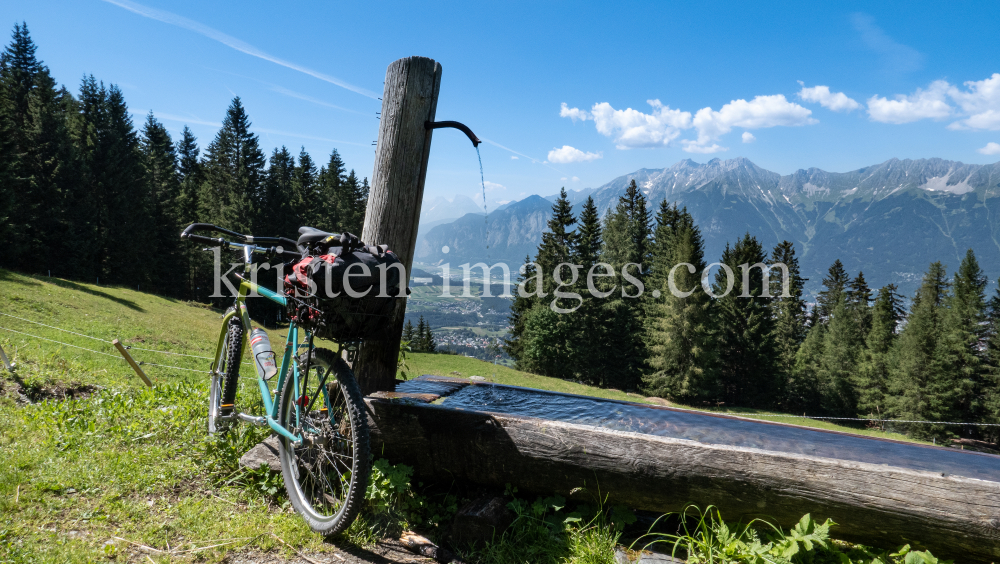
(310, 235)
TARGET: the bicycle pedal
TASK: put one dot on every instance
(226, 408)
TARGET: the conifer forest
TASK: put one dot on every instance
(87, 194)
(857, 352)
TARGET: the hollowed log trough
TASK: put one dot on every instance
(879, 492)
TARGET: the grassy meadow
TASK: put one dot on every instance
(96, 464)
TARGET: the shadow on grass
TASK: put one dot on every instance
(28, 280)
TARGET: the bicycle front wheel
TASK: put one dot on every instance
(326, 476)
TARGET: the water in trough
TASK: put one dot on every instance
(702, 427)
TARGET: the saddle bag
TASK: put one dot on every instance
(346, 296)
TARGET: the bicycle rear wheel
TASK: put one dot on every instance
(327, 475)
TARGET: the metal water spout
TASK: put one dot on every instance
(455, 125)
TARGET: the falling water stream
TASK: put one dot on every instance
(702, 427)
(486, 219)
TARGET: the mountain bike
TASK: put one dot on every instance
(316, 408)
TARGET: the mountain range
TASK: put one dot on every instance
(889, 220)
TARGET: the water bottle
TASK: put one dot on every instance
(263, 356)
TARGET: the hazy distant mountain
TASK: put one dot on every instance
(890, 220)
(441, 208)
(513, 233)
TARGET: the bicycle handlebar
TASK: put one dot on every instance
(245, 240)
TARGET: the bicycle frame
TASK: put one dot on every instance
(289, 361)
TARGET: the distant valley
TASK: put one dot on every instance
(890, 220)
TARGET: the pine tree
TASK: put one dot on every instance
(589, 241)
(872, 376)
(682, 352)
(919, 388)
(835, 283)
(789, 312)
(746, 331)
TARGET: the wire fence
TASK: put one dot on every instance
(747, 415)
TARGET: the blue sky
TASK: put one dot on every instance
(644, 84)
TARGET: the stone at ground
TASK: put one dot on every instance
(647, 557)
(264, 454)
(480, 520)
(477, 378)
(657, 401)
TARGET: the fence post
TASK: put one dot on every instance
(6, 361)
(132, 363)
(397, 189)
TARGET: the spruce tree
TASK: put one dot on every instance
(429, 344)
(834, 284)
(802, 389)
(919, 388)
(420, 338)
(354, 200)
(408, 333)
(331, 191)
(872, 376)
(989, 392)
(859, 299)
(280, 195)
(513, 343)
(559, 242)
(234, 173)
(159, 160)
(746, 330)
(842, 342)
(626, 242)
(588, 343)
(682, 352)
(789, 312)
(965, 335)
(558, 246)
(305, 192)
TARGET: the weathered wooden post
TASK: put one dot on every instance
(397, 190)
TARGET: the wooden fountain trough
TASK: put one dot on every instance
(880, 492)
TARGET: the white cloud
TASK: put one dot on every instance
(491, 186)
(564, 179)
(759, 113)
(922, 104)
(569, 154)
(632, 128)
(991, 148)
(232, 42)
(503, 202)
(574, 113)
(981, 102)
(748, 137)
(836, 101)
(575, 179)
(513, 157)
